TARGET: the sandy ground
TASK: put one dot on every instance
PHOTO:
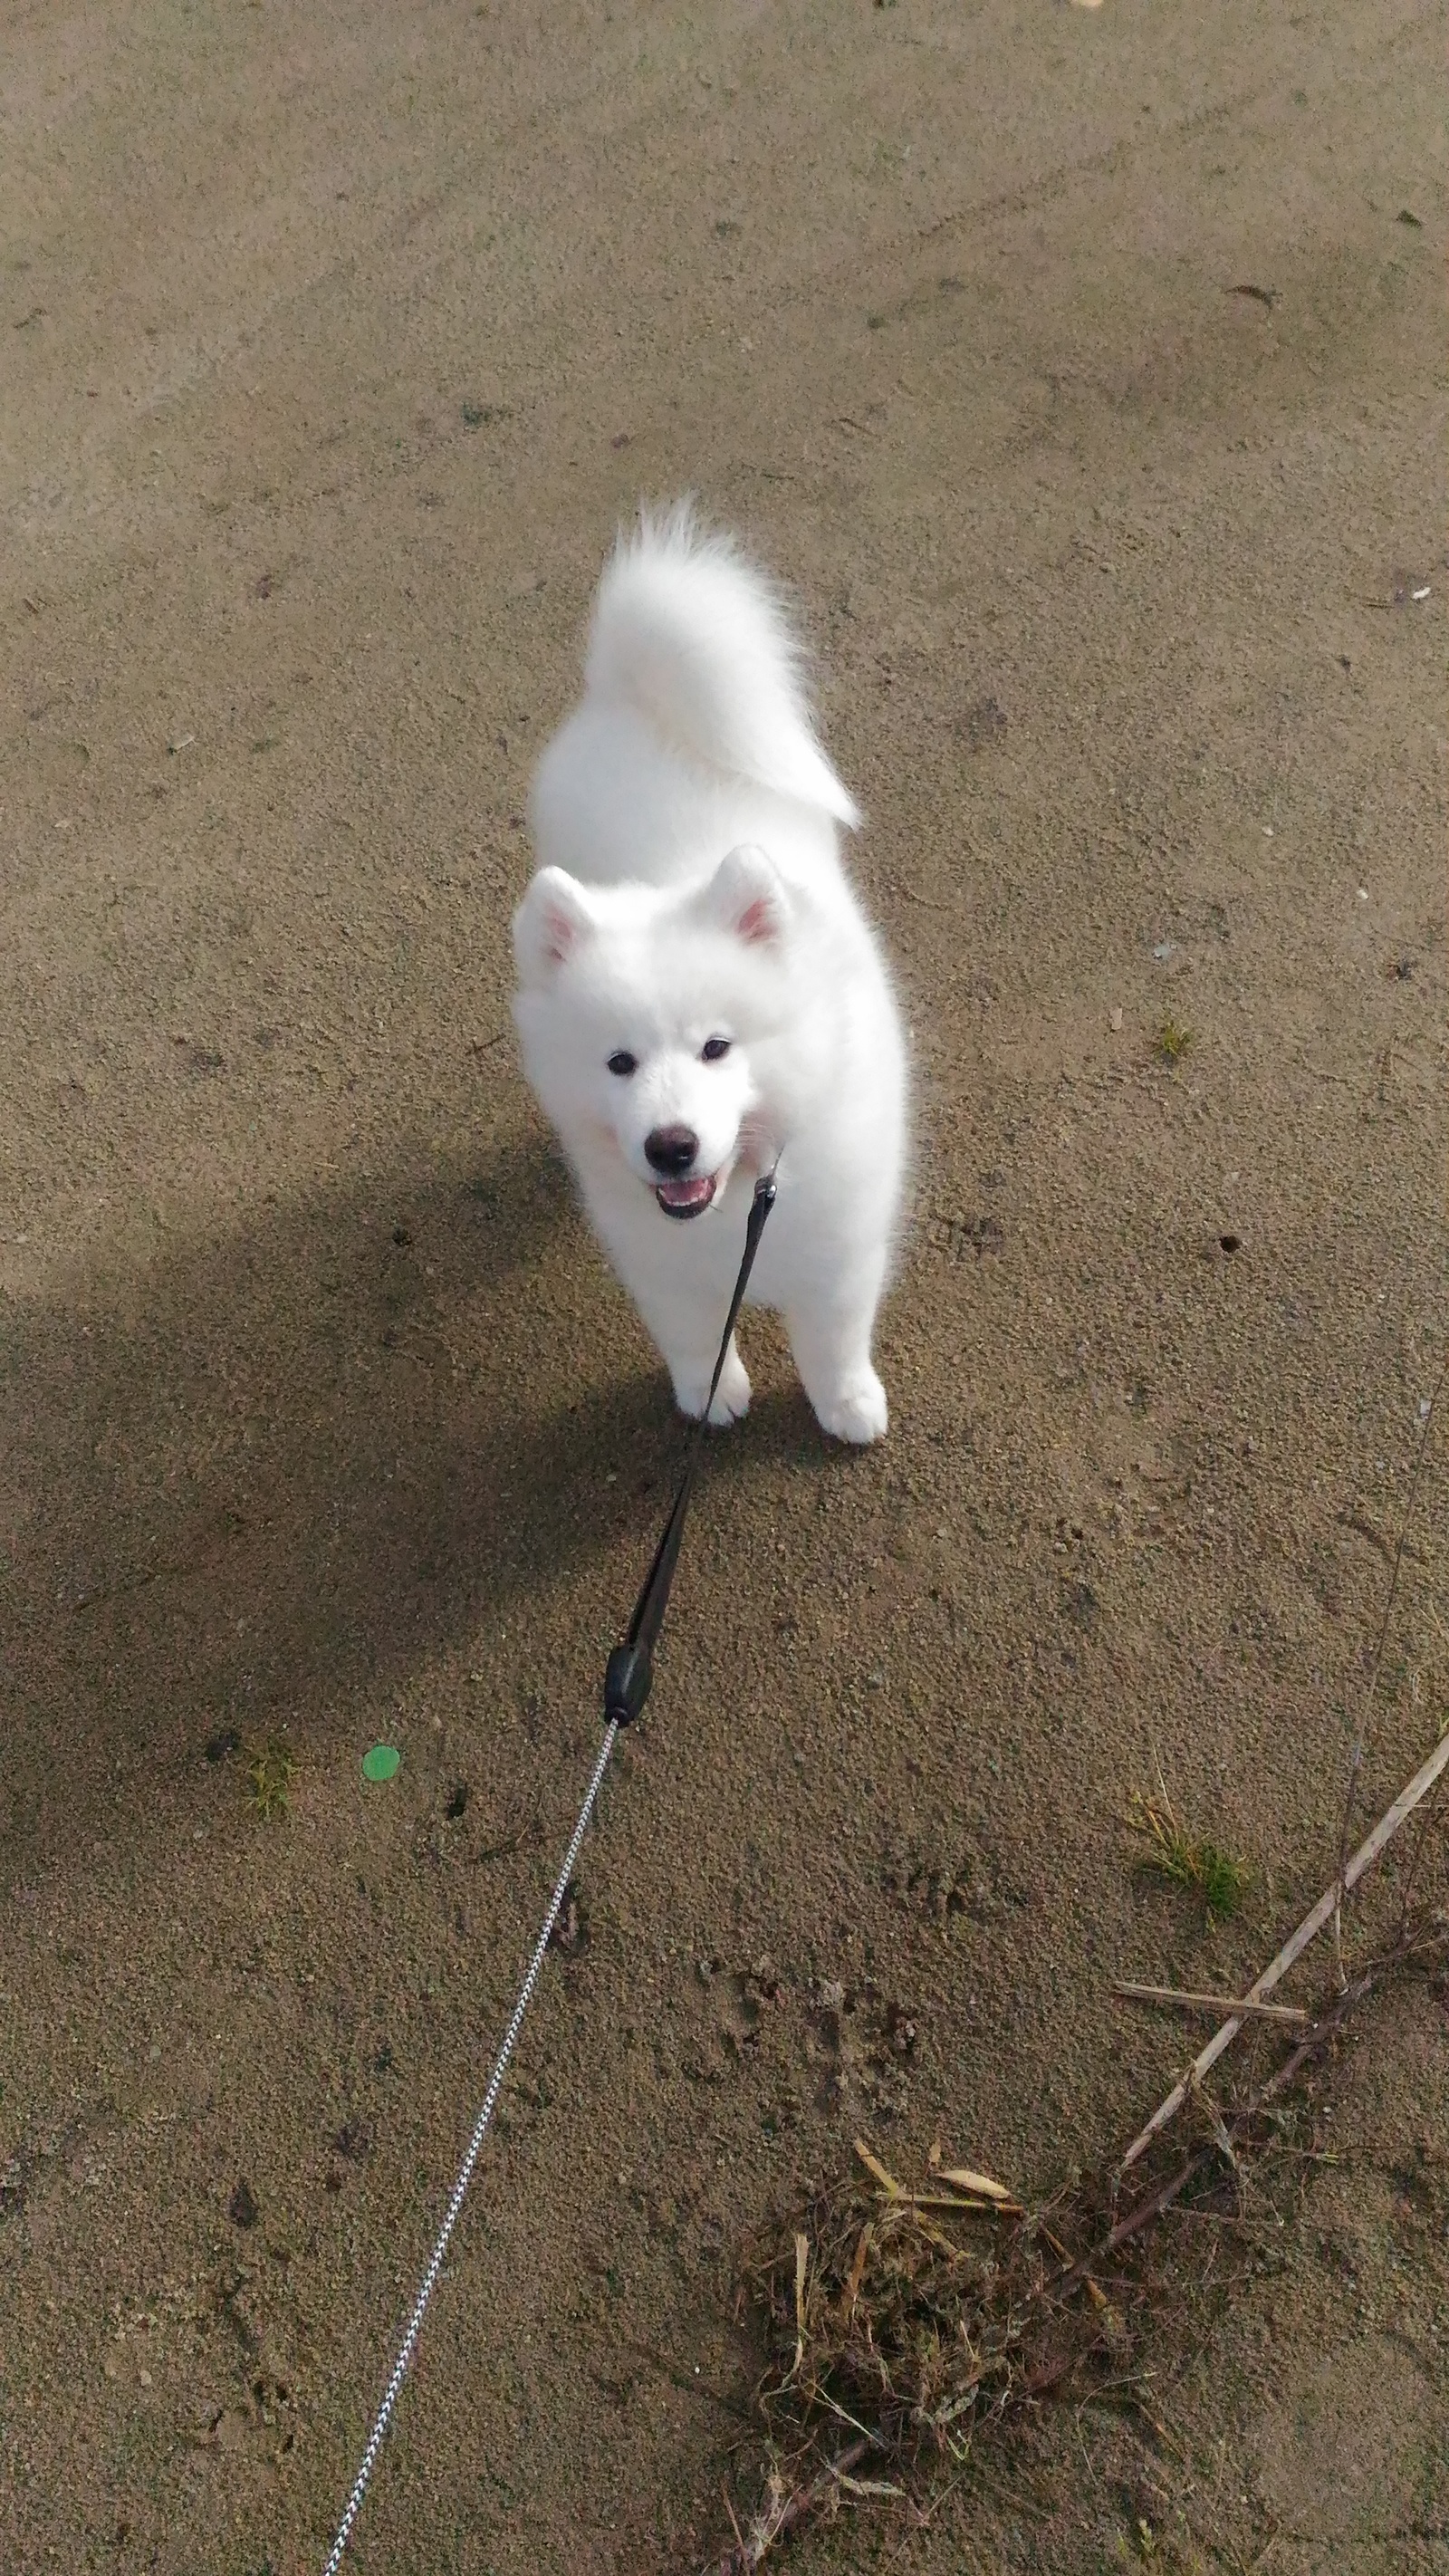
(334, 342)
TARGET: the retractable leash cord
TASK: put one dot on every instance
(627, 1679)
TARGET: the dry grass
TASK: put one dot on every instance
(908, 2313)
(901, 2322)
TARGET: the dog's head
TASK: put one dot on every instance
(648, 1019)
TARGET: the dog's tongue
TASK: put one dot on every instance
(687, 1194)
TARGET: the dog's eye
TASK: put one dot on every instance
(713, 1049)
(623, 1064)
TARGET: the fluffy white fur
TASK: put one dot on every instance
(691, 925)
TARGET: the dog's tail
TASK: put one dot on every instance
(688, 635)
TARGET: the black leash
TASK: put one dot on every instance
(627, 1680)
(630, 1669)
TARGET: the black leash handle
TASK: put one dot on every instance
(630, 1669)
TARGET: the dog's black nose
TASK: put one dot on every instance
(671, 1150)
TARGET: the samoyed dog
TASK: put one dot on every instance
(700, 996)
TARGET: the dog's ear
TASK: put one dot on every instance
(551, 923)
(747, 895)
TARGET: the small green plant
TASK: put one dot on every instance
(1212, 1873)
(1171, 1041)
(271, 1769)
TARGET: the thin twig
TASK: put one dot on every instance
(1209, 2003)
(1356, 1758)
(1163, 2198)
(1432, 1820)
(1293, 1948)
(1221, 2138)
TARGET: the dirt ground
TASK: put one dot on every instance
(1083, 372)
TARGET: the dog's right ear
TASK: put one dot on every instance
(550, 925)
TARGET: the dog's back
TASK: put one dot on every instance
(694, 730)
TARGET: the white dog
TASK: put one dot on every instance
(700, 994)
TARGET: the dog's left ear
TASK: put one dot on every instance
(747, 895)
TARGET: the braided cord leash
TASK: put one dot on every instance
(626, 1688)
(465, 2170)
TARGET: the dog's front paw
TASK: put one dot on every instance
(732, 1396)
(856, 1411)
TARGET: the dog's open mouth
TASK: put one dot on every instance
(686, 1198)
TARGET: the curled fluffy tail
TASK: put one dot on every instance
(687, 635)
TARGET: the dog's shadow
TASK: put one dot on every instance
(290, 1462)
(301, 1458)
